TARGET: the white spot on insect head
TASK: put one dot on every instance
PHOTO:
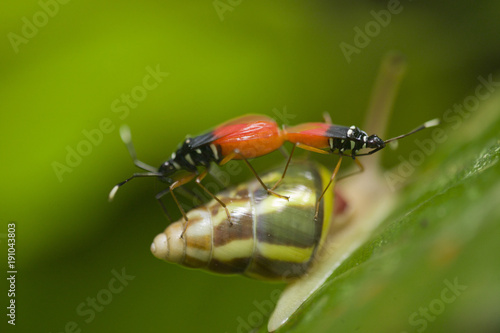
(349, 132)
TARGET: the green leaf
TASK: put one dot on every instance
(432, 264)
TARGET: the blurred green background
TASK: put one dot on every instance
(69, 72)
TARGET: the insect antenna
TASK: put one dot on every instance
(427, 124)
(135, 175)
(127, 139)
(430, 123)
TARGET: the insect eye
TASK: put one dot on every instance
(166, 168)
(374, 142)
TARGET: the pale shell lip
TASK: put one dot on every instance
(159, 247)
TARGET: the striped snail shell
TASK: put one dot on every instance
(269, 239)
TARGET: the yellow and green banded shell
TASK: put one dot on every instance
(270, 238)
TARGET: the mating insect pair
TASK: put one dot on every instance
(249, 137)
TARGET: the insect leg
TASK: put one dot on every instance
(158, 197)
(311, 148)
(284, 152)
(228, 158)
(360, 170)
(327, 118)
(300, 145)
(198, 181)
(187, 193)
(216, 178)
(327, 186)
(164, 208)
(236, 153)
(270, 191)
(170, 189)
(286, 168)
(370, 152)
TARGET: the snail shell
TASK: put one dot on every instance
(270, 238)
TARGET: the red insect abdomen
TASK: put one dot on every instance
(311, 134)
(251, 140)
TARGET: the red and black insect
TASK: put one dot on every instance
(242, 138)
(327, 138)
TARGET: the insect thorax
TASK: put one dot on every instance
(189, 158)
(354, 140)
